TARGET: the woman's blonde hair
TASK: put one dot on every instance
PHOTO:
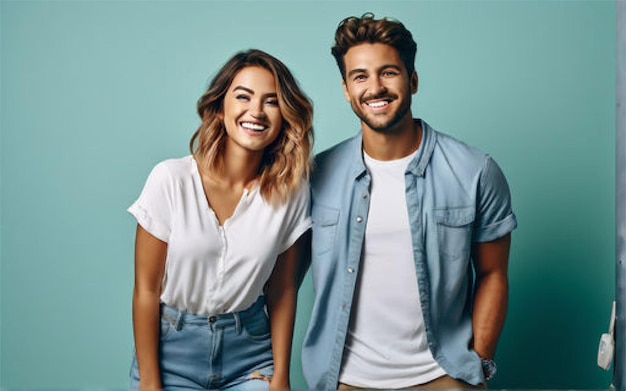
(287, 161)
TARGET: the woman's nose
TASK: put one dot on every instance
(257, 110)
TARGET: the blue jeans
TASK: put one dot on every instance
(200, 352)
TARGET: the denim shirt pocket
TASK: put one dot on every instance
(454, 232)
(324, 220)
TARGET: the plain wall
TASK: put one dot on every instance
(94, 93)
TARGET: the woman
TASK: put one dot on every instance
(218, 237)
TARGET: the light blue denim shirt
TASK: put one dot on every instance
(455, 195)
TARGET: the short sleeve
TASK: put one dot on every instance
(495, 217)
(153, 208)
(298, 217)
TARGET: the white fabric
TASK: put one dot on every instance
(386, 345)
(212, 269)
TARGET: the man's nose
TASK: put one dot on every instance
(377, 87)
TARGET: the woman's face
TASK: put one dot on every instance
(251, 113)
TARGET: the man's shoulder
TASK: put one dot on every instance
(338, 157)
(450, 144)
(338, 151)
(458, 153)
(333, 165)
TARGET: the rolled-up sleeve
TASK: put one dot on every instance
(153, 208)
(495, 217)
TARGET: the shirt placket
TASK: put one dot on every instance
(356, 228)
(414, 197)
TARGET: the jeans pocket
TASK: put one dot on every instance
(167, 326)
(257, 327)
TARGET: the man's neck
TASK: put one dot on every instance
(396, 144)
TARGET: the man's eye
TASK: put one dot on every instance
(359, 78)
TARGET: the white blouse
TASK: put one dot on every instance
(212, 269)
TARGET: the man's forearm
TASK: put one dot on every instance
(489, 313)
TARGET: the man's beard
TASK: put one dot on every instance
(387, 125)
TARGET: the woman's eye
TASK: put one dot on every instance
(242, 97)
(272, 102)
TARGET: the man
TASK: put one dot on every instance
(410, 239)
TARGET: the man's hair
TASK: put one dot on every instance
(287, 161)
(353, 31)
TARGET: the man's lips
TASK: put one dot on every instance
(377, 104)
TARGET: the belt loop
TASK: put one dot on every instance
(179, 320)
(237, 322)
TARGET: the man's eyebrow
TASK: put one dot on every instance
(382, 68)
(356, 70)
(394, 66)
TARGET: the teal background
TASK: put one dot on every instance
(94, 93)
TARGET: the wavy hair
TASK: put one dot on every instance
(287, 161)
(353, 31)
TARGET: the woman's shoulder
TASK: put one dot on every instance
(174, 170)
(177, 167)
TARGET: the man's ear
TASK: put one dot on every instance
(345, 90)
(414, 82)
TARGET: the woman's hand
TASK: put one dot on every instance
(150, 385)
(279, 384)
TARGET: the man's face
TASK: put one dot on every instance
(378, 86)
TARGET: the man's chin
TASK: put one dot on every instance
(386, 127)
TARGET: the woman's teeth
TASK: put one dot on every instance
(251, 126)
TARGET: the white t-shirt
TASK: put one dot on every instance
(386, 345)
(212, 269)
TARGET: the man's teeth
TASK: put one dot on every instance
(251, 126)
(378, 104)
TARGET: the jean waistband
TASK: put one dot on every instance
(177, 317)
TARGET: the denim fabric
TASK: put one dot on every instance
(201, 352)
(455, 195)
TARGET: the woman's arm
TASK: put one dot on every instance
(281, 295)
(150, 255)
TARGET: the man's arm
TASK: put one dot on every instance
(491, 261)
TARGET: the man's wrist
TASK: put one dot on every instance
(489, 368)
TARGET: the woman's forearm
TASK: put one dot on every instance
(146, 325)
